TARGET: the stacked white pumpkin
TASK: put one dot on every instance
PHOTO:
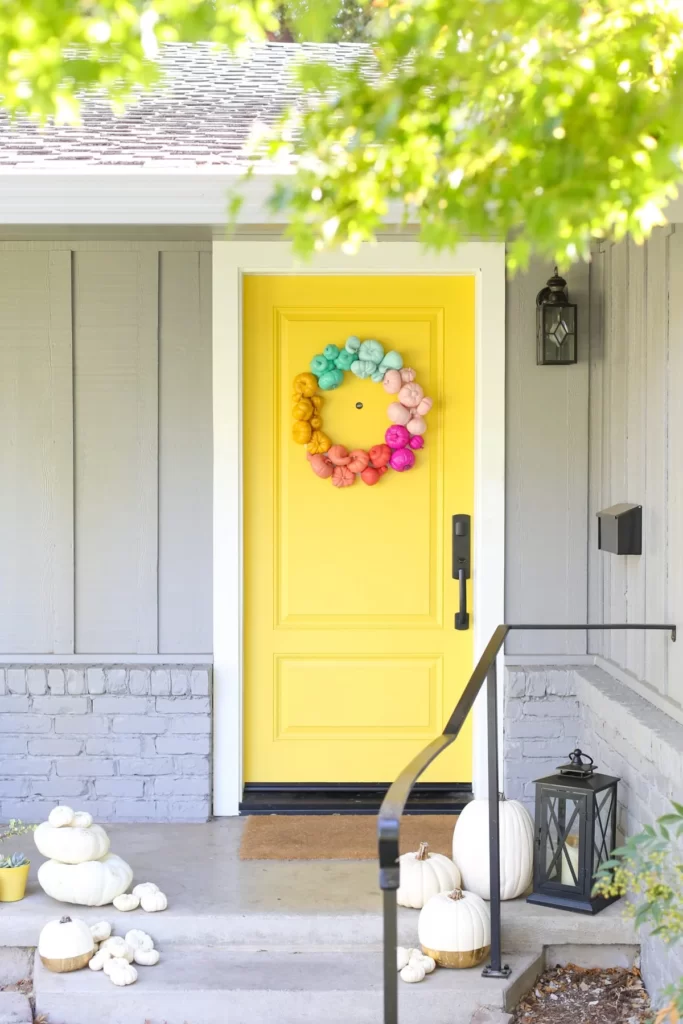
(80, 868)
(454, 926)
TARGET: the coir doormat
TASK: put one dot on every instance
(338, 836)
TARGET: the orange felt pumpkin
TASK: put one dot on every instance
(303, 410)
(305, 384)
(370, 476)
(379, 455)
(342, 476)
(359, 460)
(301, 431)
(321, 466)
(339, 455)
(319, 443)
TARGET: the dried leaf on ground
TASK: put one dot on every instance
(577, 995)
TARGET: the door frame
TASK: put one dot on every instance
(232, 260)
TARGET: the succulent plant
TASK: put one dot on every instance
(16, 860)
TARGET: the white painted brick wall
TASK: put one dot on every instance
(551, 709)
(125, 743)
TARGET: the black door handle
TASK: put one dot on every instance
(461, 566)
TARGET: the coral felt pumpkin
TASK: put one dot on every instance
(359, 460)
(339, 455)
(70, 844)
(342, 476)
(321, 466)
(92, 884)
(379, 455)
(66, 945)
(423, 875)
(454, 928)
(471, 848)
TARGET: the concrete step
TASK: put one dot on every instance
(216, 986)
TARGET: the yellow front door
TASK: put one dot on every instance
(352, 663)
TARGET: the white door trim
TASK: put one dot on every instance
(231, 261)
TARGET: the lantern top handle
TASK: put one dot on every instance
(555, 292)
(580, 765)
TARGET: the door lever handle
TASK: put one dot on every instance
(461, 566)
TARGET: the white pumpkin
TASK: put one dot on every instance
(137, 939)
(100, 931)
(454, 929)
(71, 845)
(423, 875)
(92, 884)
(144, 887)
(126, 974)
(60, 817)
(99, 960)
(118, 948)
(126, 902)
(471, 848)
(413, 972)
(146, 957)
(427, 962)
(403, 955)
(82, 819)
(152, 902)
(66, 945)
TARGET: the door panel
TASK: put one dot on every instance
(351, 659)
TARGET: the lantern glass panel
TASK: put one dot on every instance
(557, 334)
(561, 830)
(604, 838)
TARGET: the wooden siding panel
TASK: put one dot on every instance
(116, 444)
(36, 524)
(595, 466)
(185, 454)
(675, 458)
(617, 355)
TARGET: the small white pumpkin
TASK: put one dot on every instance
(471, 848)
(72, 845)
(126, 901)
(118, 948)
(92, 884)
(144, 887)
(60, 816)
(152, 902)
(146, 957)
(137, 939)
(100, 931)
(82, 819)
(126, 974)
(427, 962)
(99, 960)
(423, 875)
(454, 929)
(413, 972)
(65, 945)
(403, 955)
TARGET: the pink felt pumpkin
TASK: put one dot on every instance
(321, 466)
(407, 374)
(424, 406)
(339, 455)
(392, 382)
(370, 476)
(416, 425)
(416, 442)
(379, 455)
(342, 476)
(411, 395)
(359, 460)
(397, 436)
(402, 459)
(398, 413)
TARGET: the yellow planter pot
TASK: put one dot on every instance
(13, 883)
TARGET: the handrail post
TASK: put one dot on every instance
(390, 944)
(495, 969)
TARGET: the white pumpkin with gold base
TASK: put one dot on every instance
(454, 929)
(471, 848)
(423, 875)
(66, 945)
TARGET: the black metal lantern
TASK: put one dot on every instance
(555, 324)
(576, 820)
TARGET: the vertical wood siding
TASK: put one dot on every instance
(636, 449)
(105, 449)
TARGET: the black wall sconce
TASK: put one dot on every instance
(555, 324)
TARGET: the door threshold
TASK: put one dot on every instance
(350, 798)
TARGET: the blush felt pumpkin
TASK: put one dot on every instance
(92, 884)
(471, 848)
(411, 395)
(66, 945)
(392, 382)
(71, 844)
(398, 413)
(454, 929)
(423, 875)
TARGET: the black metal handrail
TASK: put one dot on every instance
(393, 805)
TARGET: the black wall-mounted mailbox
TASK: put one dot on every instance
(620, 529)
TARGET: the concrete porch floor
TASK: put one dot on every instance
(267, 936)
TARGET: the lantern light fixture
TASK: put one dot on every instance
(556, 319)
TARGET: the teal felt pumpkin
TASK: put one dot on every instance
(344, 360)
(352, 343)
(363, 368)
(371, 350)
(331, 352)
(319, 364)
(392, 361)
(330, 379)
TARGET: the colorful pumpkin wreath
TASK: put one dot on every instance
(365, 359)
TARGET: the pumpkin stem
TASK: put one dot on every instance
(422, 853)
(65, 920)
(457, 894)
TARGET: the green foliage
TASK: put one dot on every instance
(16, 860)
(555, 122)
(16, 828)
(650, 867)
